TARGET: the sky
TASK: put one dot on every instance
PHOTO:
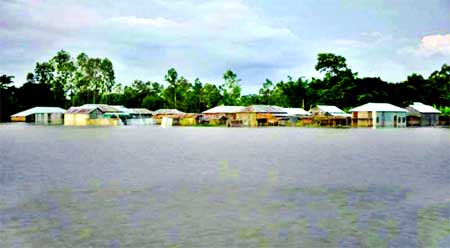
(257, 39)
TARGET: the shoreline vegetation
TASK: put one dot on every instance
(65, 81)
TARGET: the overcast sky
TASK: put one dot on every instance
(257, 39)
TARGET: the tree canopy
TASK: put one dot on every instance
(66, 81)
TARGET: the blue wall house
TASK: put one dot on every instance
(379, 115)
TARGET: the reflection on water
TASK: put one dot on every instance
(203, 187)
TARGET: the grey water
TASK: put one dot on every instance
(223, 187)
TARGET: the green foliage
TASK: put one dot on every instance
(445, 111)
(66, 81)
(230, 89)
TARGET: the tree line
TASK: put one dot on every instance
(65, 81)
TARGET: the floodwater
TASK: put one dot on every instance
(223, 187)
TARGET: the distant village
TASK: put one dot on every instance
(367, 115)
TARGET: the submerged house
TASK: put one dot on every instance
(260, 115)
(94, 115)
(140, 116)
(379, 115)
(294, 115)
(299, 112)
(222, 114)
(174, 114)
(134, 116)
(330, 115)
(328, 111)
(41, 115)
(420, 114)
(166, 113)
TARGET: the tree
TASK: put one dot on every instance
(93, 78)
(291, 93)
(211, 96)
(338, 84)
(251, 99)
(172, 78)
(330, 64)
(231, 89)
(7, 97)
(195, 99)
(266, 91)
(43, 73)
(6, 81)
(439, 86)
(62, 83)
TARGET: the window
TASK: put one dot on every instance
(404, 119)
(378, 119)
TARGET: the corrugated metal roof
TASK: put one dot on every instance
(80, 110)
(423, 108)
(132, 110)
(381, 107)
(224, 109)
(142, 111)
(168, 112)
(333, 110)
(102, 107)
(264, 109)
(120, 108)
(40, 110)
(296, 111)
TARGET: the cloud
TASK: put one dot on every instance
(436, 43)
(430, 46)
(203, 38)
(214, 37)
(364, 40)
(159, 22)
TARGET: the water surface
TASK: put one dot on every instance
(223, 187)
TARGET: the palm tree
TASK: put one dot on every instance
(5, 81)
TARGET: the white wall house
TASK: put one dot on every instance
(328, 110)
(41, 115)
(379, 115)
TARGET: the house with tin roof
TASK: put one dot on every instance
(329, 115)
(40, 115)
(420, 114)
(328, 111)
(221, 114)
(379, 115)
(135, 116)
(260, 115)
(94, 115)
(299, 112)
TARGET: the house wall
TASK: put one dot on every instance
(382, 119)
(316, 112)
(362, 119)
(103, 122)
(363, 114)
(18, 118)
(429, 119)
(248, 119)
(363, 122)
(231, 116)
(76, 119)
(49, 118)
(386, 119)
(84, 120)
(188, 121)
(141, 121)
